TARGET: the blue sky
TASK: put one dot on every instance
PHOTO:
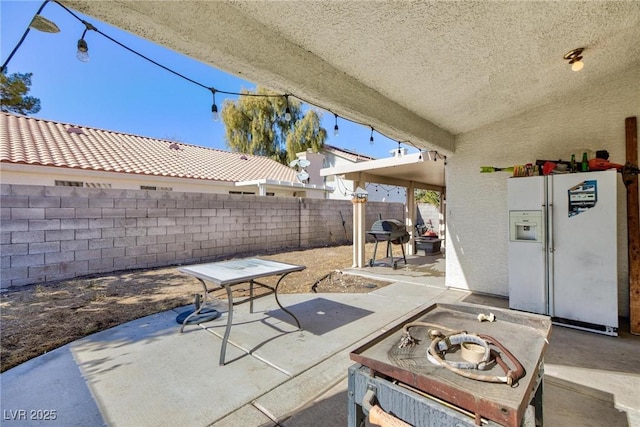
(117, 90)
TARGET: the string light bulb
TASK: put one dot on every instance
(287, 112)
(371, 137)
(214, 108)
(83, 49)
(336, 130)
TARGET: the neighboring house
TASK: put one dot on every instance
(331, 156)
(44, 152)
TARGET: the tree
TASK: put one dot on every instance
(428, 196)
(14, 90)
(256, 125)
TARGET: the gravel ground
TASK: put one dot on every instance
(39, 318)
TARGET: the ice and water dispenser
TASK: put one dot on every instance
(525, 226)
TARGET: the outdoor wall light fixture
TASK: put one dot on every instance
(575, 58)
(336, 131)
(371, 137)
(214, 108)
(83, 49)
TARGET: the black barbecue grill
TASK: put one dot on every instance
(391, 231)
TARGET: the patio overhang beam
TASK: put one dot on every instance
(378, 179)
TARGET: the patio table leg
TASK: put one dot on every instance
(227, 331)
(251, 296)
(275, 293)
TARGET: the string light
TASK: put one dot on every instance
(287, 112)
(214, 108)
(83, 55)
(83, 49)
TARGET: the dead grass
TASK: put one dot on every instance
(37, 319)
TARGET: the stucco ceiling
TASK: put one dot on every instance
(416, 71)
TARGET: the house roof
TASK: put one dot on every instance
(26, 140)
(348, 154)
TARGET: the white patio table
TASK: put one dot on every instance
(226, 274)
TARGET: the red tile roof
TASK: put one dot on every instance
(34, 141)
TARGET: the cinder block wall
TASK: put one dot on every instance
(55, 233)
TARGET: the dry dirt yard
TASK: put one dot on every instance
(39, 318)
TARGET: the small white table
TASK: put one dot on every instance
(226, 274)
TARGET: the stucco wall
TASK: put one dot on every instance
(427, 212)
(477, 203)
(52, 233)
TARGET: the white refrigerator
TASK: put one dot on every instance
(563, 248)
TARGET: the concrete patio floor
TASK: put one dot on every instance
(145, 373)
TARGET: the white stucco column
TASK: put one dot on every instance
(410, 218)
(358, 233)
(359, 201)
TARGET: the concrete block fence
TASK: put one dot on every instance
(55, 233)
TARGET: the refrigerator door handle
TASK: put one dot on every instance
(550, 228)
(550, 252)
(545, 241)
(544, 228)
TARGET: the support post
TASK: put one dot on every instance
(633, 225)
(359, 201)
(410, 218)
(359, 215)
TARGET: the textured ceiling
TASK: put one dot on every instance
(416, 71)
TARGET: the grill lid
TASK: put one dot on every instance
(393, 226)
(390, 229)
